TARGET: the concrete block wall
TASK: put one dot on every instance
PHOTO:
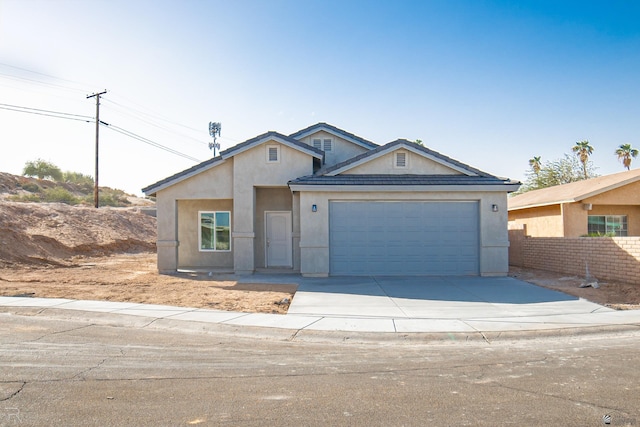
(608, 258)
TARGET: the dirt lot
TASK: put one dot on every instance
(621, 296)
(134, 278)
(56, 250)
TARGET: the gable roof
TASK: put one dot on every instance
(272, 136)
(574, 191)
(187, 173)
(411, 146)
(230, 152)
(336, 132)
(330, 177)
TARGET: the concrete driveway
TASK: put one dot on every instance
(437, 304)
(467, 305)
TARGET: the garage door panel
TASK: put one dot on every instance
(395, 238)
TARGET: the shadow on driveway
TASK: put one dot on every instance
(494, 290)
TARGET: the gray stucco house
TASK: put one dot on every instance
(323, 201)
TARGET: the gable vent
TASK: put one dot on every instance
(327, 145)
(401, 160)
(273, 154)
(317, 143)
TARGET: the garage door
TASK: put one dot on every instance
(404, 238)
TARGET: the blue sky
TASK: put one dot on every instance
(489, 83)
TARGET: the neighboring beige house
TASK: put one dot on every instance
(607, 204)
(323, 201)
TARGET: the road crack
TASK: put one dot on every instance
(15, 393)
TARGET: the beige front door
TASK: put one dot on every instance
(279, 245)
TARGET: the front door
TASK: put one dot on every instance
(279, 245)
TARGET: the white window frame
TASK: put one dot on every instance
(319, 143)
(215, 243)
(327, 144)
(406, 160)
(269, 147)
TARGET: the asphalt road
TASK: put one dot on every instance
(71, 371)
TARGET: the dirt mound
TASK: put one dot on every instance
(54, 233)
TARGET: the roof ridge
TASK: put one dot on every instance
(336, 130)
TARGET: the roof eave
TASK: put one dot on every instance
(404, 188)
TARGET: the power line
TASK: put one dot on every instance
(152, 123)
(49, 113)
(148, 141)
(88, 119)
(43, 74)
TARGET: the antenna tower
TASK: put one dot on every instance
(214, 131)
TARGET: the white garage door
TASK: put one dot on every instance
(404, 238)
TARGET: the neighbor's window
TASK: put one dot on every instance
(215, 231)
(615, 225)
(317, 143)
(328, 144)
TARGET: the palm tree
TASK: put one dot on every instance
(625, 153)
(583, 150)
(535, 164)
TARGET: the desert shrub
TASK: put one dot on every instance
(26, 198)
(60, 195)
(108, 197)
(84, 182)
(31, 187)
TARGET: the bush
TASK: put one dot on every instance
(85, 182)
(31, 187)
(599, 235)
(26, 198)
(60, 195)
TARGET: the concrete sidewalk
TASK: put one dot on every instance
(387, 305)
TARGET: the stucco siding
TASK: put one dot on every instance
(416, 165)
(341, 150)
(626, 195)
(545, 221)
(574, 219)
(189, 254)
(251, 170)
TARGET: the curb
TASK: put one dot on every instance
(312, 336)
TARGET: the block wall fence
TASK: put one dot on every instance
(615, 259)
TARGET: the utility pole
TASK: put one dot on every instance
(95, 185)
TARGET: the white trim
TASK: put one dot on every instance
(268, 149)
(396, 154)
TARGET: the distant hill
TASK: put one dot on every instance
(41, 232)
(26, 189)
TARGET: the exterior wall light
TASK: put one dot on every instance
(494, 208)
(314, 208)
